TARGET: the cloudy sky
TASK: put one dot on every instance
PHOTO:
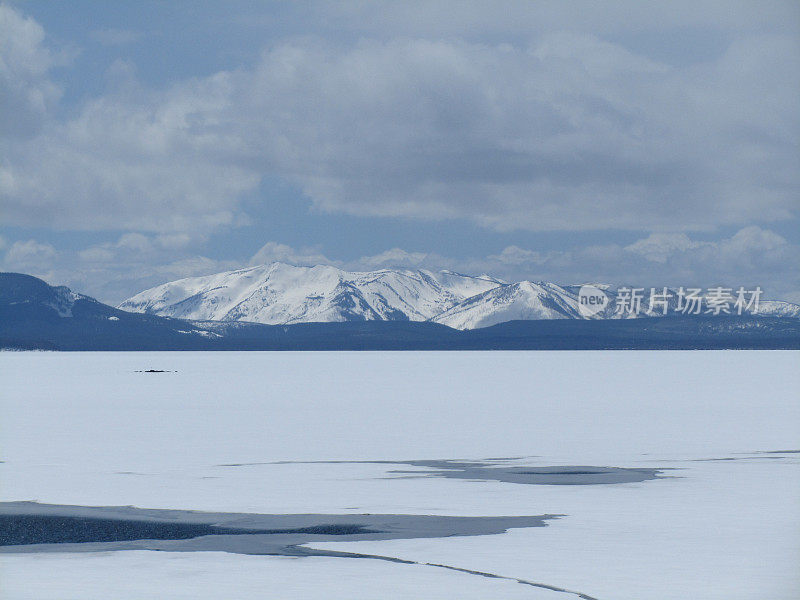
(649, 143)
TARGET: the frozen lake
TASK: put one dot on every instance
(257, 433)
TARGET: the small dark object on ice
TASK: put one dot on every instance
(155, 371)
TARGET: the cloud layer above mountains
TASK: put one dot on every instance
(536, 118)
(751, 257)
(564, 131)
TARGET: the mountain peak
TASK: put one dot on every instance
(278, 293)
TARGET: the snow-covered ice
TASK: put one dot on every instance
(216, 575)
(87, 429)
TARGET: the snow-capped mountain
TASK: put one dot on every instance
(521, 301)
(778, 308)
(528, 300)
(280, 294)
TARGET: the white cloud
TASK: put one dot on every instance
(570, 133)
(175, 240)
(755, 238)
(115, 270)
(275, 252)
(134, 159)
(97, 254)
(112, 275)
(395, 257)
(492, 116)
(189, 266)
(26, 92)
(129, 246)
(752, 256)
(658, 247)
(31, 257)
(134, 241)
(30, 250)
(567, 132)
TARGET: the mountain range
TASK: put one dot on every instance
(35, 315)
(280, 294)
